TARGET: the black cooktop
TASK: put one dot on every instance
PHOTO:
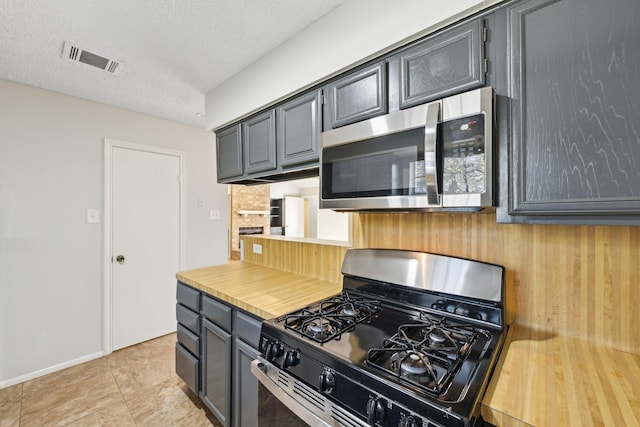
(429, 352)
(377, 347)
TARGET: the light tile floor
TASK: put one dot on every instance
(135, 386)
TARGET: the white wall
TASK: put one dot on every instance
(354, 32)
(334, 225)
(278, 190)
(51, 171)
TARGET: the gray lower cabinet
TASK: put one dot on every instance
(216, 344)
(572, 95)
(216, 357)
(357, 96)
(216, 370)
(188, 336)
(298, 129)
(229, 157)
(188, 368)
(245, 390)
(450, 62)
(245, 384)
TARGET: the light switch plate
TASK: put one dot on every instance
(257, 249)
(92, 216)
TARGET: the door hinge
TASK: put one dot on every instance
(486, 65)
(179, 179)
(485, 32)
(322, 99)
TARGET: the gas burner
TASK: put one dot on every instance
(320, 328)
(437, 338)
(350, 310)
(412, 363)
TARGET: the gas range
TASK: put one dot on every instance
(410, 342)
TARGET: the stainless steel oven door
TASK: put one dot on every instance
(272, 412)
(309, 405)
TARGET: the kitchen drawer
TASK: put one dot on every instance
(188, 318)
(187, 368)
(248, 328)
(189, 340)
(218, 312)
(188, 296)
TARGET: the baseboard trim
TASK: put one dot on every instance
(50, 369)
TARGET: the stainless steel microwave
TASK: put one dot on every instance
(436, 156)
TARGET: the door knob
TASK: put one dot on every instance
(120, 259)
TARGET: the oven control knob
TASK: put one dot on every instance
(376, 410)
(291, 358)
(326, 382)
(274, 350)
(409, 421)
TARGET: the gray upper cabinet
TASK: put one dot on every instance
(575, 117)
(229, 153)
(259, 136)
(442, 65)
(357, 96)
(298, 129)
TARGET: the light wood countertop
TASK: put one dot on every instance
(263, 291)
(552, 380)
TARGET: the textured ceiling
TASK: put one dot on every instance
(175, 51)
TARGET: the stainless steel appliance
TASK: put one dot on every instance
(430, 157)
(410, 342)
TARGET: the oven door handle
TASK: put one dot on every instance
(258, 368)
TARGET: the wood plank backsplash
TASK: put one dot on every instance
(316, 260)
(577, 280)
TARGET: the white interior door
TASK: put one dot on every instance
(145, 243)
(294, 216)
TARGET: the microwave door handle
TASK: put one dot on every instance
(430, 153)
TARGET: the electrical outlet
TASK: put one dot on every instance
(257, 249)
(214, 214)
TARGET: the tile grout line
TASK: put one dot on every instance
(120, 390)
(21, 403)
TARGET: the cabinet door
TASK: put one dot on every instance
(216, 370)
(575, 141)
(229, 153)
(298, 129)
(448, 63)
(259, 136)
(357, 96)
(245, 387)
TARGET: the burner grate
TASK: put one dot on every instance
(427, 353)
(330, 318)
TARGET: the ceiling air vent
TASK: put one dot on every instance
(76, 53)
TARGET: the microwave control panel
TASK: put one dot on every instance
(463, 155)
